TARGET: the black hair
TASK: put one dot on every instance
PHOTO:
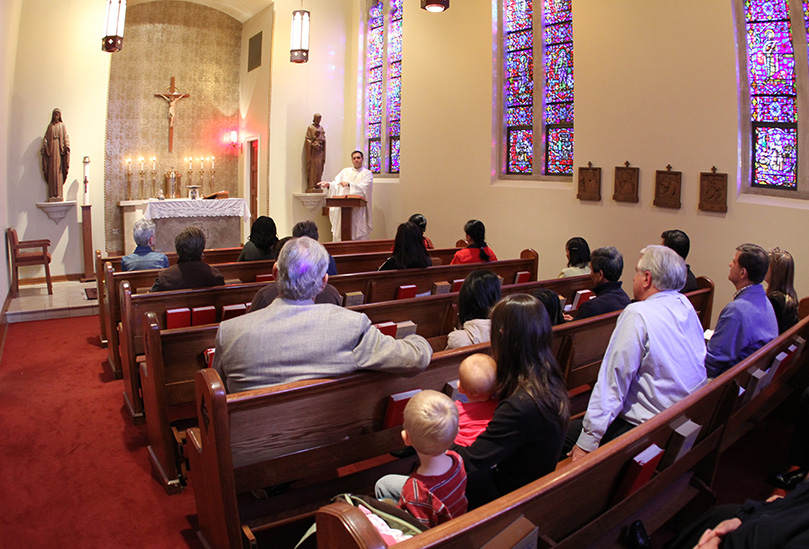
(408, 248)
(420, 221)
(550, 300)
(264, 234)
(609, 261)
(678, 241)
(479, 292)
(755, 260)
(579, 252)
(477, 232)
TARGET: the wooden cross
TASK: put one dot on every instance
(172, 97)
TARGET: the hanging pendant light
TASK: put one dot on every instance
(299, 38)
(435, 6)
(114, 26)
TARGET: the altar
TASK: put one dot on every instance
(220, 220)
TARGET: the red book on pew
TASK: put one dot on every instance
(456, 284)
(267, 277)
(640, 471)
(394, 409)
(387, 328)
(406, 291)
(178, 318)
(582, 297)
(203, 315)
(522, 276)
(208, 354)
(232, 311)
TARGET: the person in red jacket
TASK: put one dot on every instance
(477, 251)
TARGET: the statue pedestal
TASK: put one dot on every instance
(56, 211)
(310, 200)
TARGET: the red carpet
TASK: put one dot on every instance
(74, 470)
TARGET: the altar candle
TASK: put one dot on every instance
(86, 166)
(189, 163)
(201, 165)
(129, 165)
(141, 163)
(212, 164)
(154, 164)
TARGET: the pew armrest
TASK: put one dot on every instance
(343, 525)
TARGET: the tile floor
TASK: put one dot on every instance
(68, 300)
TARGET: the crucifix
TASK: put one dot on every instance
(172, 97)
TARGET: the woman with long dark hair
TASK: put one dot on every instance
(261, 245)
(408, 250)
(578, 258)
(479, 292)
(780, 289)
(476, 251)
(523, 440)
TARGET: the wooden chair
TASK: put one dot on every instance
(26, 259)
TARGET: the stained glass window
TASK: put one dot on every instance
(772, 80)
(383, 109)
(555, 125)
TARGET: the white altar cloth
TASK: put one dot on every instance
(184, 207)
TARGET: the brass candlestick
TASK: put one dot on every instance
(141, 173)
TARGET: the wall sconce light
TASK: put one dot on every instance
(299, 38)
(114, 26)
(234, 140)
(435, 6)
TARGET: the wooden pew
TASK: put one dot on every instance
(579, 497)
(214, 256)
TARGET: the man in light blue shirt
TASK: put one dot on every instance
(144, 257)
(655, 357)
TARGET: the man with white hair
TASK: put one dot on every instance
(144, 257)
(655, 357)
(294, 339)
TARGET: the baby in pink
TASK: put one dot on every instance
(477, 377)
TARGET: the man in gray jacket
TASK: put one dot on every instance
(294, 339)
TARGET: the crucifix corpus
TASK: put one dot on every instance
(172, 95)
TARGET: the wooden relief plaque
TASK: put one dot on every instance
(713, 191)
(667, 188)
(626, 183)
(589, 183)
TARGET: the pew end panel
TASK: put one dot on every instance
(99, 276)
(702, 300)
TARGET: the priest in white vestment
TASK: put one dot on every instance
(357, 181)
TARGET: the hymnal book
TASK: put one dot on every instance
(681, 441)
(442, 287)
(456, 284)
(582, 297)
(208, 354)
(757, 382)
(405, 328)
(406, 291)
(178, 318)
(394, 410)
(387, 328)
(451, 390)
(203, 315)
(520, 534)
(353, 298)
(780, 358)
(522, 276)
(232, 311)
(640, 470)
(266, 277)
(792, 352)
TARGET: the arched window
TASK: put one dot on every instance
(774, 32)
(383, 92)
(523, 76)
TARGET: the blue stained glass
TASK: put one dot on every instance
(519, 64)
(395, 41)
(773, 109)
(771, 63)
(520, 151)
(521, 40)
(520, 116)
(375, 16)
(374, 131)
(395, 70)
(394, 98)
(560, 151)
(394, 128)
(375, 156)
(558, 73)
(776, 157)
(375, 74)
(396, 9)
(519, 92)
(394, 156)
(374, 51)
(768, 10)
(557, 11)
(559, 113)
(556, 34)
(375, 103)
(517, 14)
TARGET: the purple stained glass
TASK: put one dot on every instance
(519, 92)
(560, 151)
(767, 10)
(771, 63)
(374, 131)
(559, 113)
(557, 11)
(773, 109)
(394, 99)
(806, 15)
(396, 9)
(556, 34)
(518, 14)
(394, 156)
(375, 156)
(520, 151)
(395, 70)
(522, 40)
(520, 116)
(776, 157)
(519, 64)
(395, 41)
(376, 17)
(375, 74)
(374, 50)
(558, 73)
(394, 128)
(375, 103)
